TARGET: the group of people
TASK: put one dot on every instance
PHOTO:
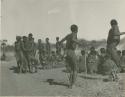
(92, 62)
(99, 61)
(25, 49)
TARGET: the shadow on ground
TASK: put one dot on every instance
(52, 82)
(14, 69)
(91, 77)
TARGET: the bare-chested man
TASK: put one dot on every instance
(71, 59)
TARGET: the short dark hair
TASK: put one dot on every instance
(119, 52)
(92, 48)
(82, 52)
(39, 40)
(57, 38)
(113, 22)
(102, 50)
(18, 37)
(74, 27)
(30, 34)
(47, 38)
(24, 37)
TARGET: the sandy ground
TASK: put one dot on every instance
(36, 84)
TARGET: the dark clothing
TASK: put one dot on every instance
(48, 49)
(113, 37)
(112, 50)
(40, 48)
(18, 52)
(112, 42)
(122, 63)
(58, 48)
(82, 63)
(102, 59)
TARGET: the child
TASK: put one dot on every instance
(53, 59)
(82, 62)
(43, 59)
(101, 59)
(92, 61)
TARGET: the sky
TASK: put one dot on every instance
(52, 18)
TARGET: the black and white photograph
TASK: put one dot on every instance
(62, 48)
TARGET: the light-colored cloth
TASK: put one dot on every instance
(82, 63)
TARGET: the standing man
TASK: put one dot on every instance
(58, 50)
(31, 53)
(113, 41)
(48, 48)
(58, 47)
(71, 59)
(40, 50)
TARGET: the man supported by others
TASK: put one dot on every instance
(20, 58)
(28, 47)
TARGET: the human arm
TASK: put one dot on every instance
(118, 34)
(74, 39)
(63, 40)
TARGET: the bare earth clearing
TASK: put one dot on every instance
(14, 84)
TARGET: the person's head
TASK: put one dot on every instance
(18, 38)
(57, 38)
(119, 52)
(83, 52)
(47, 39)
(94, 53)
(92, 49)
(102, 50)
(30, 35)
(123, 52)
(113, 23)
(53, 52)
(74, 28)
(24, 38)
(39, 40)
